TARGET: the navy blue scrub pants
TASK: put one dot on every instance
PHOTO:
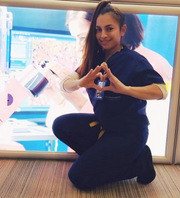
(113, 157)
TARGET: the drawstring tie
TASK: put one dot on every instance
(94, 123)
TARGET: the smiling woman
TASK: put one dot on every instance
(109, 34)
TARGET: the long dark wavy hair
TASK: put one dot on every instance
(92, 49)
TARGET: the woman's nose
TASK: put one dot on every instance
(103, 34)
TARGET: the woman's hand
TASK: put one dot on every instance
(88, 80)
(115, 84)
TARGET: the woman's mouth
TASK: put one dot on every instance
(104, 42)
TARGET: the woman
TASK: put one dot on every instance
(111, 143)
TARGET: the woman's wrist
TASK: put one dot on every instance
(69, 85)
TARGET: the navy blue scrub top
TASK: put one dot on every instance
(117, 111)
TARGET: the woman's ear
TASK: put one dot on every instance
(123, 29)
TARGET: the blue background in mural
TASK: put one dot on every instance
(160, 36)
(160, 30)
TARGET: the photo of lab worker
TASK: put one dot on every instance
(78, 23)
(134, 38)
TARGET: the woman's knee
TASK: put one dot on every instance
(80, 180)
(58, 126)
(83, 175)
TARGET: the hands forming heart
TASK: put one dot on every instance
(115, 84)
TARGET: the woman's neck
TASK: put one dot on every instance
(109, 53)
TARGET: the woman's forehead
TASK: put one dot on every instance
(106, 19)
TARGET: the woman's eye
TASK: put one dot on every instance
(109, 28)
(98, 30)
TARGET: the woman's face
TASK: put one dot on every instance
(108, 33)
(79, 28)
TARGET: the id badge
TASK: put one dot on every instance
(99, 94)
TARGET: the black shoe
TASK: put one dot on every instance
(147, 173)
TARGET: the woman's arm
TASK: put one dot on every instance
(73, 81)
(70, 83)
(149, 92)
(70, 90)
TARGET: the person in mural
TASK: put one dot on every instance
(158, 121)
(133, 39)
(78, 23)
(111, 142)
